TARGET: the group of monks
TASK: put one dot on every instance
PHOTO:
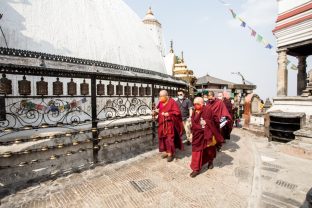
(207, 136)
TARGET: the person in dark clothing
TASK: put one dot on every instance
(185, 106)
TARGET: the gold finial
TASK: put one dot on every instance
(149, 11)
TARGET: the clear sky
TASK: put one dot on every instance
(215, 43)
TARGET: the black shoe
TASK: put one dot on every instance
(210, 166)
(219, 148)
(194, 174)
(188, 143)
(170, 158)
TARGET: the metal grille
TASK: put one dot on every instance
(285, 184)
(143, 185)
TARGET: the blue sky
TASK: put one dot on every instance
(214, 43)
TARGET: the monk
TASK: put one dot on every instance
(204, 132)
(227, 129)
(170, 126)
(220, 110)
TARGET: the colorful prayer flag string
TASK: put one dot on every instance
(253, 33)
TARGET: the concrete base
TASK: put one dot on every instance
(302, 145)
(256, 124)
(293, 104)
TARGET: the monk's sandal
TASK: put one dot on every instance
(163, 156)
(194, 174)
(210, 165)
(170, 158)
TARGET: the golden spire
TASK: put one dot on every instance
(149, 11)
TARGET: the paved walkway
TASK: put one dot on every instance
(249, 172)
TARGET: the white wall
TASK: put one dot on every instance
(287, 5)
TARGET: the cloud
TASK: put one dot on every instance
(259, 13)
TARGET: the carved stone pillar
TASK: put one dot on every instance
(302, 74)
(282, 74)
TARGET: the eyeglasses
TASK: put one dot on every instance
(180, 94)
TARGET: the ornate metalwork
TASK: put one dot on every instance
(71, 88)
(48, 112)
(84, 88)
(42, 87)
(24, 86)
(57, 87)
(110, 89)
(100, 88)
(127, 90)
(124, 107)
(119, 89)
(5, 85)
(148, 90)
(135, 90)
(141, 90)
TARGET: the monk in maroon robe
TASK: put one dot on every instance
(227, 129)
(170, 126)
(204, 132)
(220, 110)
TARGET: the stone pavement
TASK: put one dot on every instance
(249, 172)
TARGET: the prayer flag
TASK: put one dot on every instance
(84, 100)
(259, 38)
(233, 13)
(293, 67)
(287, 62)
(253, 33)
(269, 46)
(243, 24)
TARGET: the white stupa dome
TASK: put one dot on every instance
(101, 30)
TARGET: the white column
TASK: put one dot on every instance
(282, 74)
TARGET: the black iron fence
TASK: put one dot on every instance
(42, 96)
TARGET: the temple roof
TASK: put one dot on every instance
(212, 80)
(101, 30)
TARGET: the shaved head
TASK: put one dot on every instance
(199, 100)
(163, 93)
(211, 93)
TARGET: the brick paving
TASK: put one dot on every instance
(243, 177)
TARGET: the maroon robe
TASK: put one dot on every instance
(201, 154)
(220, 110)
(170, 128)
(226, 130)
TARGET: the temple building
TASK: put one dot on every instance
(79, 80)
(155, 29)
(291, 116)
(293, 33)
(177, 67)
(210, 83)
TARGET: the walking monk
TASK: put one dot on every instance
(170, 127)
(204, 132)
(220, 110)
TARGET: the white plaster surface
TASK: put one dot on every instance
(102, 30)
